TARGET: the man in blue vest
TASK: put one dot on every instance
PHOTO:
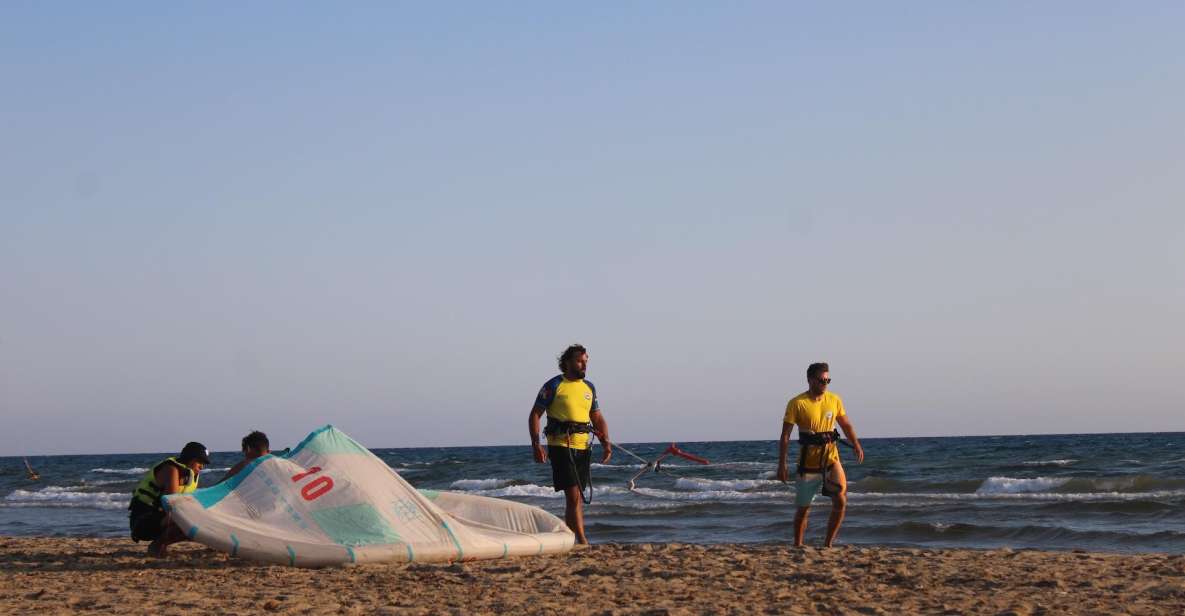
(573, 415)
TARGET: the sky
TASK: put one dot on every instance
(392, 217)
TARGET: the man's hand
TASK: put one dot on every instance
(783, 473)
(606, 452)
(539, 452)
(859, 453)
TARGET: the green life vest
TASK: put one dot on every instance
(149, 493)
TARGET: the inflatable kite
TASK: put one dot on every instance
(330, 501)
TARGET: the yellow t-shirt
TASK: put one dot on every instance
(565, 400)
(814, 415)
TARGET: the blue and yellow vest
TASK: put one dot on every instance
(568, 401)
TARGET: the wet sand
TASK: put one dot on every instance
(111, 576)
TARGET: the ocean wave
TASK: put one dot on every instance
(139, 470)
(56, 496)
(121, 471)
(1066, 462)
(1084, 485)
(480, 484)
(713, 495)
(1010, 485)
(737, 465)
(919, 497)
(537, 491)
(107, 482)
(708, 485)
(630, 466)
(1030, 534)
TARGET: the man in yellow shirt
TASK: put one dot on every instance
(816, 412)
(573, 414)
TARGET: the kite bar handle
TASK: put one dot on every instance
(683, 454)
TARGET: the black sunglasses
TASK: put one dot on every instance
(823, 381)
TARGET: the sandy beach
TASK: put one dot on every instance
(108, 576)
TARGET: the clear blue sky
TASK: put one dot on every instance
(392, 217)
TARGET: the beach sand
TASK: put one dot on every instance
(68, 576)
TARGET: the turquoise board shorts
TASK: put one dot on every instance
(805, 490)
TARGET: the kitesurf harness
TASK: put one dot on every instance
(149, 493)
(556, 427)
(823, 442)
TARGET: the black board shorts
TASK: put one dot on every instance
(146, 521)
(569, 467)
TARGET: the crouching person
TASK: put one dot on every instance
(174, 475)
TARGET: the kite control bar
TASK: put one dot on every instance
(656, 465)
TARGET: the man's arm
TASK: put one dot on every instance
(537, 449)
(783, 445)
(602, 430)
(234, 470)
(850, 433)
(169, 479)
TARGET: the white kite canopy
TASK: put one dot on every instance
(330, 501)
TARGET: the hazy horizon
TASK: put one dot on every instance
(393, 217)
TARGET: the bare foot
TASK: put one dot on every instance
(157, 550)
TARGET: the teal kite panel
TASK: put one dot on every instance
(354, 525)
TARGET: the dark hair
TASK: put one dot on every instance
(194, 451)
(256, 440)
(816, 369)
(569, 353)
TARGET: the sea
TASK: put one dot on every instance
(1100, 492)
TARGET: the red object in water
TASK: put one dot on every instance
(683, 454)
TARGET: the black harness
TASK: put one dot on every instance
(566, 429)
(556, 427)
(818, 440)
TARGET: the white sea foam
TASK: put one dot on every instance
(141, 470)
(709, 485)
(599, 465)
(738, 465)
(1009, 485)
(479, 484)
(713, 495)
(536, 491)
(121, 471)
(1049, 462)
(915, 497)
(108, 482)
(58, 496)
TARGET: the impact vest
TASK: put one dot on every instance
(148, 493)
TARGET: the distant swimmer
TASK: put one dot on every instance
(255, 445)
(573, 415)
(816, 412)
(174, 475)
(33, 476)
